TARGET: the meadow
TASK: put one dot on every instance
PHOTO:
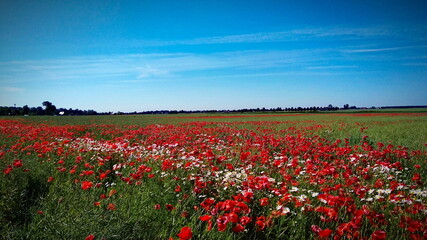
(342, 175)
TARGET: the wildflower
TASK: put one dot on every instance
(90, 237)
(87, 185)
(263, 201)
(102, 176)
(185, 214)
(260, 223)
(238, 228)
(205, 218)
(245, 220)
(17, 163)
(325, 233)
(111, 206)
(169, 207)
(7, 170)
(185, 233)
(112, 192)
(379, 235)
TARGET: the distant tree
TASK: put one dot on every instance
(346, 106)
(39, 111)
(25, 110)
(49, 108)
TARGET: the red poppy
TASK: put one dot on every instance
(263, 201)
(169, 207)
(90, 237)
(205, 218)
(102, 176)
(325, 233)
(112, 192)
(17, 163)
(185, 214)
(238, 228)
(245, 220)
(87, 185)
(111, 206)
(185, 233)
(379, 235)
(7, 170)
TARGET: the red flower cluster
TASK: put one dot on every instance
(237, 177)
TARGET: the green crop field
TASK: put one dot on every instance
(404, 129)
(342, 175)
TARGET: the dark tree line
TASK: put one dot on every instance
(244, 110)
(49, 109)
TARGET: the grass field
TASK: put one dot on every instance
(341, 175)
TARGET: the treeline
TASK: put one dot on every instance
(50, 109)
(47, 109)
(244, 110)
(248, 110)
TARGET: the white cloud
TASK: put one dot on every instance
(364, 50)
(12, 89)
(153, 67)
(332, 67)
(281, 36)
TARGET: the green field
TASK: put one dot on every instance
(269, 176)
(404, 130)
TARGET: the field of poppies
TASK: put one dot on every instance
(324, 176)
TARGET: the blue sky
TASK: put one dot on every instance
(152, 55)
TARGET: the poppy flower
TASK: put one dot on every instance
(245, 220)
(90, 237)
(185, 233)
(205, 218)
(325, 233)
(17, 163)
(379, 235)
(87, 185)
(112, 192)
(169, 207)
(263, 201)
(238, 228)
(111, 206)
(185, 214)
(7, 170)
